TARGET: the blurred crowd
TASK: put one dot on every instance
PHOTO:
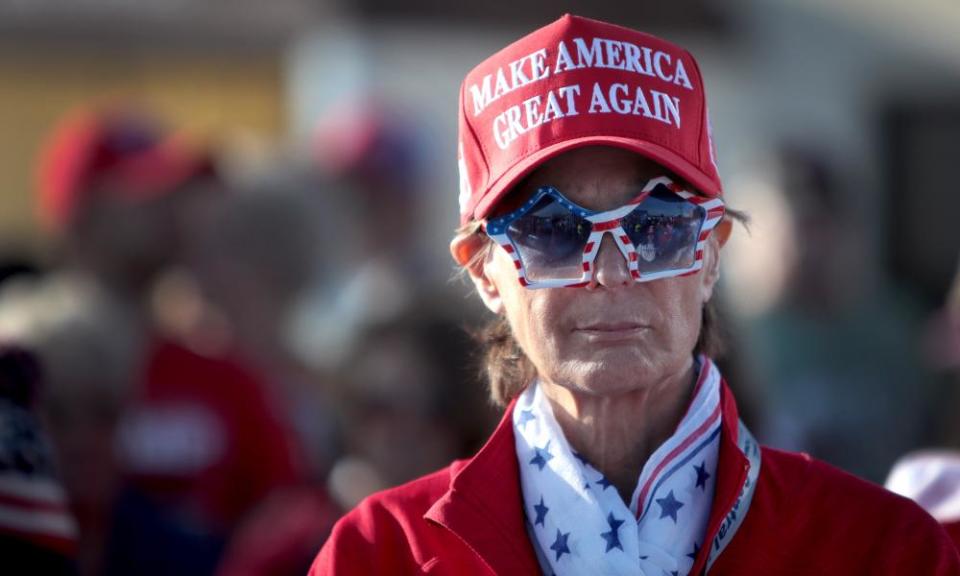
(217, 365)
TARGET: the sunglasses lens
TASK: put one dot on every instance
(664, 229)
(550, 241)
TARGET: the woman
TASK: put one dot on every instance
(620, 451)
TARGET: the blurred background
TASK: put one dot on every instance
(227, 309)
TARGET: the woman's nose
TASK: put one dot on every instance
(610, 268)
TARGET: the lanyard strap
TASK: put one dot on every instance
(734, 518)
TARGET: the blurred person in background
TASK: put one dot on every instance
(38, 534)
(839, 336)
(396, 391)
(931, 476)
(258, 254)
(328, 311)
(399, 345)
(88, 350)
(164, 448)
(620, 451)
(372, 154)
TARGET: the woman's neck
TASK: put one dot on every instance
(617, 434)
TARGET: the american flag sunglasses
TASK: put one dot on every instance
(553, 241)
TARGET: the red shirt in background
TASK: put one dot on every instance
(206, 436)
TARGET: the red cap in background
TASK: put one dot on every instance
(125, 154)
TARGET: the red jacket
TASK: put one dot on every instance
(805, 518)
(953, 529)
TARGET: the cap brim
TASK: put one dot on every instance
(659, 154)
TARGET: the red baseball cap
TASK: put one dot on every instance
(129, 150)
(580, 82)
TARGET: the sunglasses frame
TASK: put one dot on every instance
(603, 222)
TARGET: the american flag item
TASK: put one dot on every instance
(33, 506)
(578, 522)
(709, 213)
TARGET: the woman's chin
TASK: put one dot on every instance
(599, 378)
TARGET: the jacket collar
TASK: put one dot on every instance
(484, 505)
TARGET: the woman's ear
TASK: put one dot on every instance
(722, 231)
(465, 247)
(471, 252)
(710, 274)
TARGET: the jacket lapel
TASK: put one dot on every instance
(484, 506)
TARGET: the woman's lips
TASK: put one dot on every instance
(611, 330)
(611, 327)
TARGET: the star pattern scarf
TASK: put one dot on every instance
(578, 522)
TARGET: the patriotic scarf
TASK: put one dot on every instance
(578, 522)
